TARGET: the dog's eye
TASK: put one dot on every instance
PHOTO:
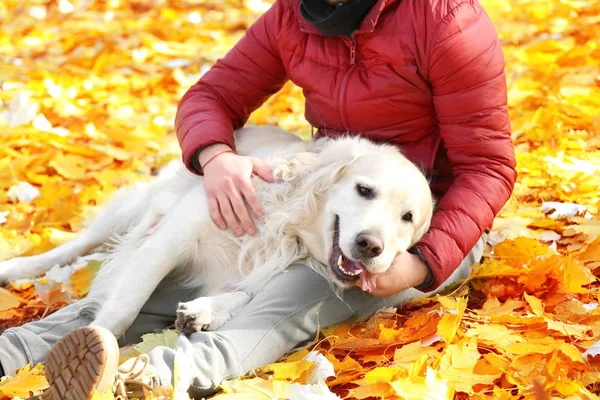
(365, 191)
(407, 216)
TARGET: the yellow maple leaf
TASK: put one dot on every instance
(536, 304)
(533, 346)
(253, 389)
(591, 252)
(346, 364)
(457, 366)
(103, 396)
(387, 334)
(81, 280)
(567, 387)
(298, 355)
(575, 330)
(450, 322)
(462, 355)
(433, 386)
(521, 251)
(495, 334)
(13, 246)
(576, 276)
(70, 166)
(493, 307)
(291, 370)
(383, 374)
(571, 352)
(381, 389)
(495, 268)
(407, 354)
(26, 381)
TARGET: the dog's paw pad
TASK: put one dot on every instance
(195, 316)
(186, 323)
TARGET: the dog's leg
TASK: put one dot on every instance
(133, 278)
(126, 209)
(209, 313)
(143, 261)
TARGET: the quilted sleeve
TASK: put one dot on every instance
(224, 97)
(466, 73)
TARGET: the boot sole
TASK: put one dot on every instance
(82, 363)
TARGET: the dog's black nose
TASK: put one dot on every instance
(368, 245)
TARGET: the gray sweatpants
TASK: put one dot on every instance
(285, 315)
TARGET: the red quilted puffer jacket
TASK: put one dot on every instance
(426, 75)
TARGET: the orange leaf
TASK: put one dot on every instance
(381, 389)
(8, 300)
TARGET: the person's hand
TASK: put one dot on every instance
(229, 190)
(406, 271)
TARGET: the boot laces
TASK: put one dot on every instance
(131, 378)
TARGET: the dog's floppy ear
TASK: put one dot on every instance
(340, 150)
(427, 208)
(334, 156)
(327, 157)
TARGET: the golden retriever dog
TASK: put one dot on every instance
(346, 207)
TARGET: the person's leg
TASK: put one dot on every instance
(32, 342)
(286, 314)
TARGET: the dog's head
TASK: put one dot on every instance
(376, 205)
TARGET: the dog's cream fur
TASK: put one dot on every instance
(164, 229)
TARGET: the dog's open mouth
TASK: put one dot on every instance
(345, 269)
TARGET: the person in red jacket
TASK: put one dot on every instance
(425, 75)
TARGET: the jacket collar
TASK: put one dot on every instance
(368, 24)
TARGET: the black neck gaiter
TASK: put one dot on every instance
(332, 20)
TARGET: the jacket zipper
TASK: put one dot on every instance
(342, 97)
(352, 50)
(345, 83)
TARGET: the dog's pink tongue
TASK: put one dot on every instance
(367, 281)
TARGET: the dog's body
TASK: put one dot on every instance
(346, 203)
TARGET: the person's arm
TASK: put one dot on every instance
(466, 72)
(223, 99)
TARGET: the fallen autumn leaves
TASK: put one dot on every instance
(88, 97)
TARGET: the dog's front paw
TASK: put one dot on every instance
(188, 322)
(198, 315)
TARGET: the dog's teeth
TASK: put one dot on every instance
(340, 263)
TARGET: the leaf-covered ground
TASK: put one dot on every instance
(87, 100)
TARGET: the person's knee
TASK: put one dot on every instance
(286, 313)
